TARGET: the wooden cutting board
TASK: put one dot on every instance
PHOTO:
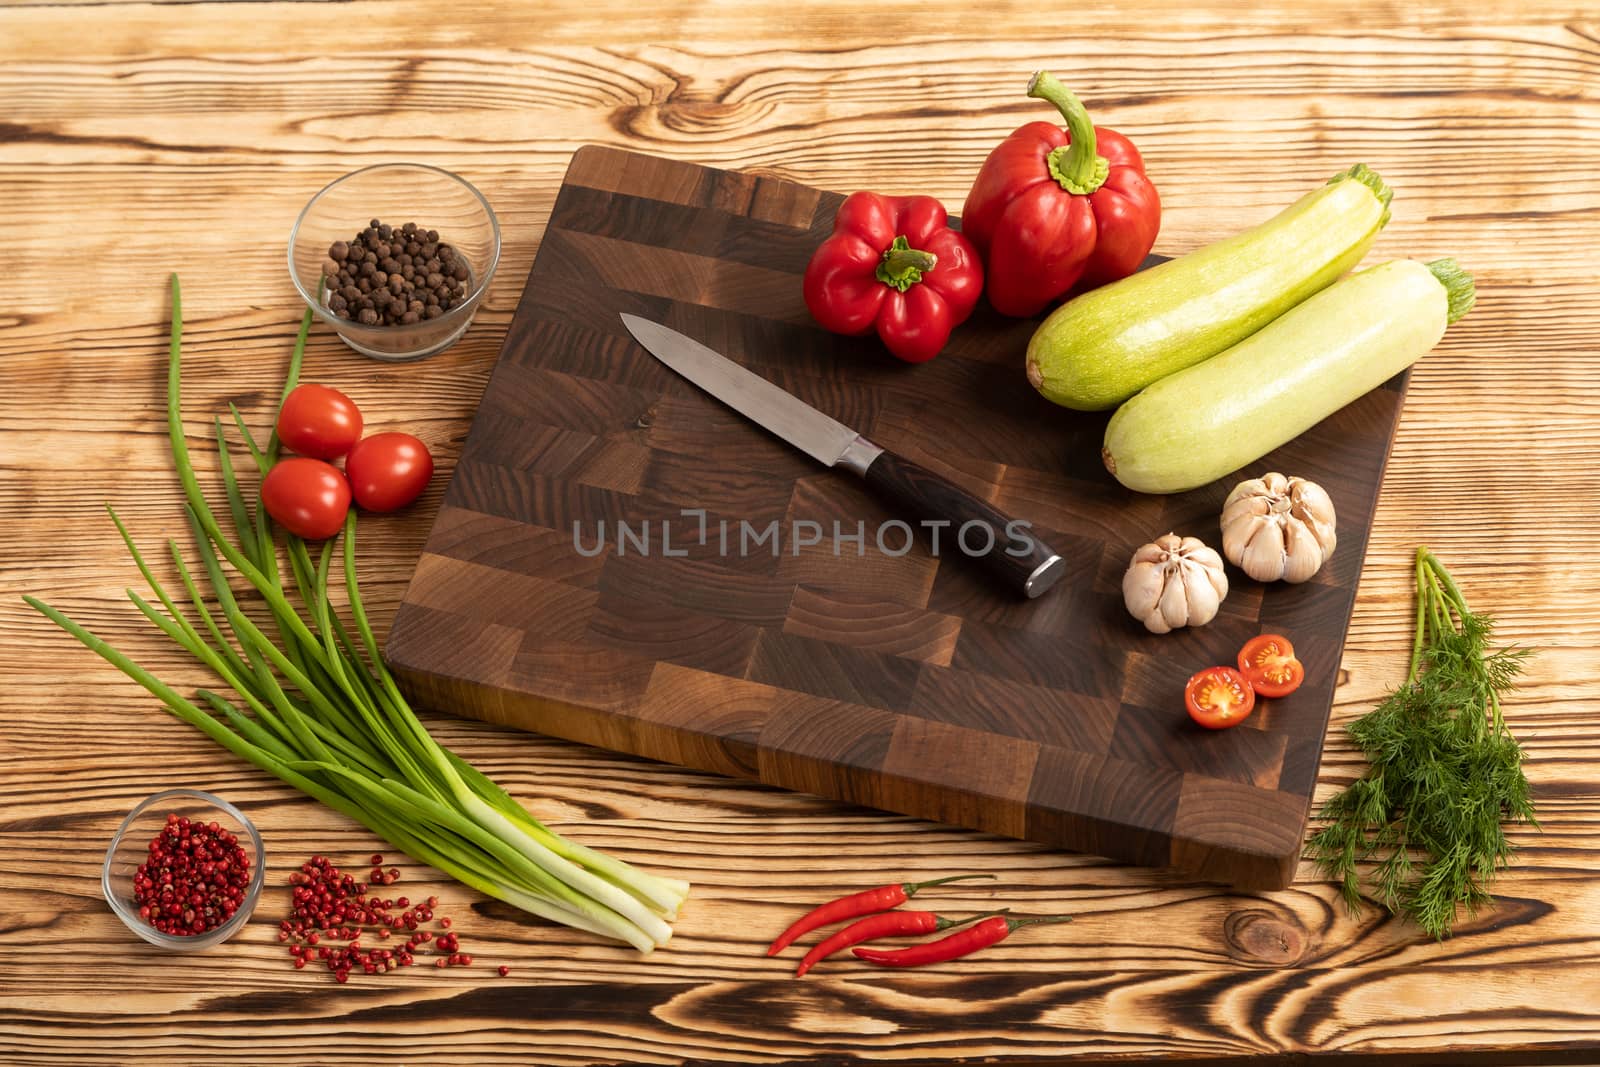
(902, 681)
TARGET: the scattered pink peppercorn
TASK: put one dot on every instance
(328, 905)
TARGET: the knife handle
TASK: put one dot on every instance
(966, 525)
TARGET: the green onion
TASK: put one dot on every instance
(322, 712)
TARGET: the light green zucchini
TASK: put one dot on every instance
(1098, 349)
(1201, 423)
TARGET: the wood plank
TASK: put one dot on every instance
(142, 137)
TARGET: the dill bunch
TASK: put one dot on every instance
(1445, 775)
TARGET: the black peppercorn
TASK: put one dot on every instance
(394, 275)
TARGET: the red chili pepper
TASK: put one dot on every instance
(866, 902)
(883, 924)
(1052, 209)
(893, 263)
(986, 933)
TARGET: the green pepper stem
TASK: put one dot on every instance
(903, 266)
(942, 923)
(1035, 920)
(912, 887)
(1075, 166)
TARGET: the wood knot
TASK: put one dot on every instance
(698, 116)
(1261, 937)
(687, 114)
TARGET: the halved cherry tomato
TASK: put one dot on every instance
(1268, 663)
(387, 471)
(1219, 697)
(319, 422)
(308, 497)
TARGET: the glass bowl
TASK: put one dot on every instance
(397, 193)
(131, 846)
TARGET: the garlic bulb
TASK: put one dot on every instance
(1275, 527)
(1172, 582)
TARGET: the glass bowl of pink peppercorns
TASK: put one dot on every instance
(184, 870)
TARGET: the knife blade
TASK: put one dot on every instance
(979, 531)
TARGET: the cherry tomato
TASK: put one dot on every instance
(319, 422)
(1219, 697)
(308, 497)
(387, 471)
(1268, 663)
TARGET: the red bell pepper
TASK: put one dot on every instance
(892, 263)
(1056, 208)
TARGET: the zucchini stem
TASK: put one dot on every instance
(1372, 180)
(1458, 287)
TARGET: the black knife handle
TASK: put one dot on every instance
(966, 525)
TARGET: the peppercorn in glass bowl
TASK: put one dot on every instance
(396, 258)
(131, 848)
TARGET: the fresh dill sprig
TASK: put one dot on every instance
(1445, 775)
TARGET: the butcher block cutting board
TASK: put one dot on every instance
(895, 679)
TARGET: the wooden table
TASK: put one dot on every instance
(138, 139)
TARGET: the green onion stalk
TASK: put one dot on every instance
(321, 711)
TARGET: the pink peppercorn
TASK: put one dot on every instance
(193, 878)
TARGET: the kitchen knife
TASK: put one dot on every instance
(965, 524)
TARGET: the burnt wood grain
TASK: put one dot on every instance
(618, 557)
(146, 137)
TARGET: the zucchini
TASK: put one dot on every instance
(1206, 421)
(1098, 349)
